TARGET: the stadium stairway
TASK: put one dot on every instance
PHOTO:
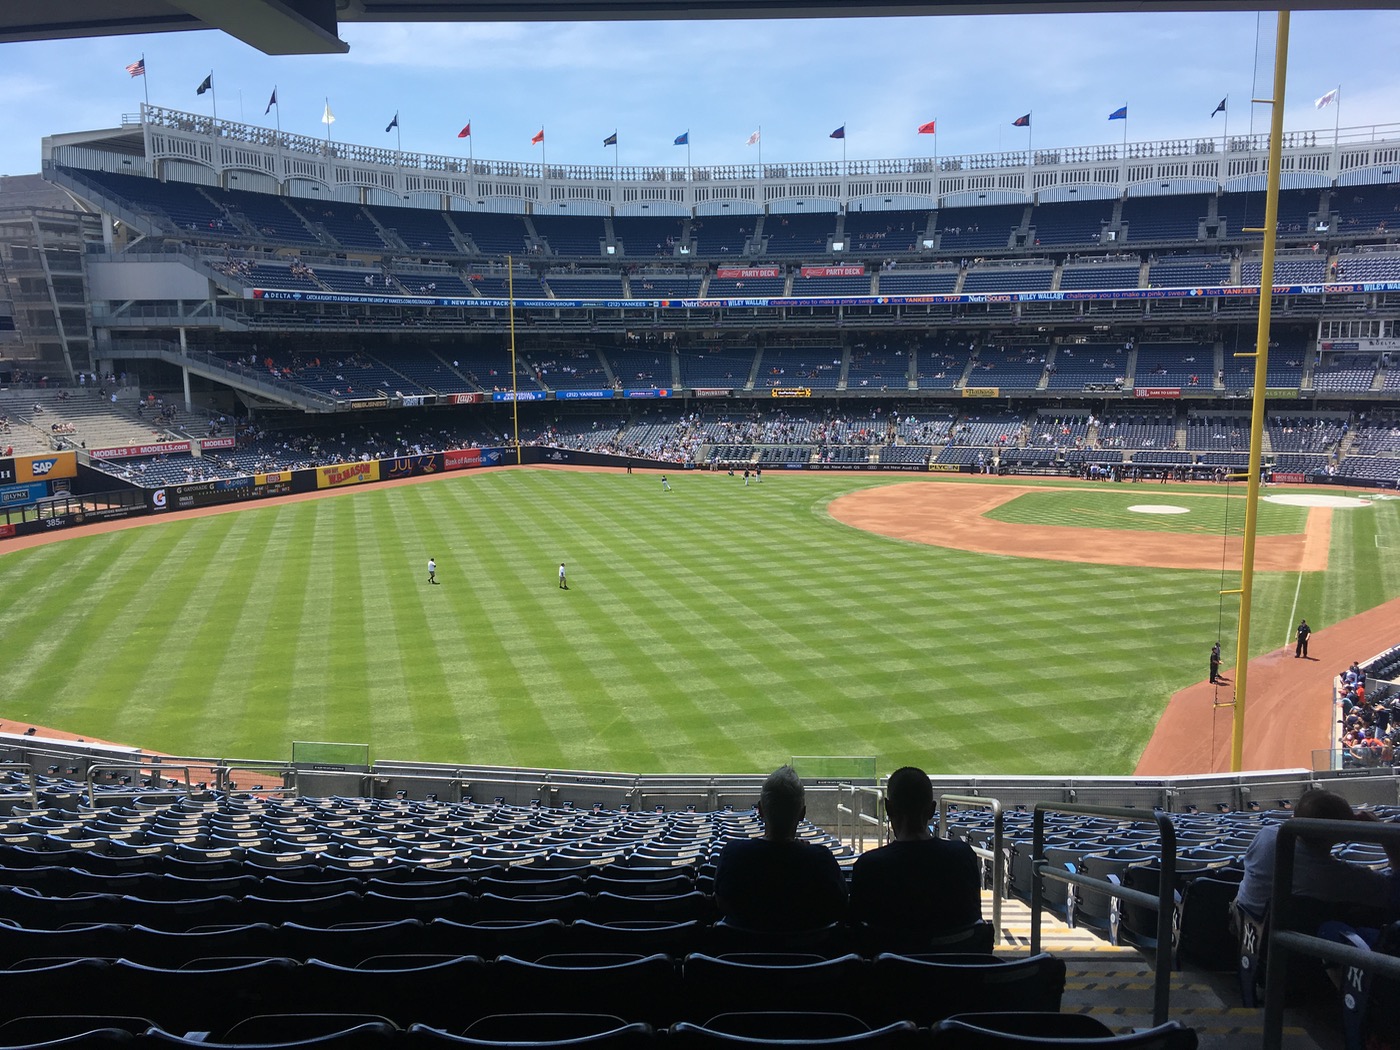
(1114, 984)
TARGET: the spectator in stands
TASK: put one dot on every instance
(917, 885)
(1317, 874)
(778, 882)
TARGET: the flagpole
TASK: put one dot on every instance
(760, 151)
(935, 154)
(277, 105)
(1337, 123)
(214, 96)
(145, 78)
(1125, 136)
(471, 149)
(328, 123)
(398, 135)
(1225, 145)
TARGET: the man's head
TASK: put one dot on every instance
(909, 802)
(781, 804)
(1323, 805)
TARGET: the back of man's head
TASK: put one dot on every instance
(908, 797)
(782, 803)
(1323, 805)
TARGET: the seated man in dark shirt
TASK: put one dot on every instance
(778, 882)
(918, 885)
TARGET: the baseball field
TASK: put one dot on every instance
(954, 624)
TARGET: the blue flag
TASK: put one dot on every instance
(682, 139)
(611, 140)
(839, 133)
(1119, 114)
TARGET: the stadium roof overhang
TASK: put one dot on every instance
(296, 27)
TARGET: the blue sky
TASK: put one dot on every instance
(798, 80)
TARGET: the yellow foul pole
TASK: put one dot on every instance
(514, 388)
(1261, 369)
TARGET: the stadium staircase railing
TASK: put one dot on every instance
(1163, 903)
(997, 854)
(1283, 942)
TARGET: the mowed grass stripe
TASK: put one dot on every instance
(712, 628)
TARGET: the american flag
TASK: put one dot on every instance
(137, 68)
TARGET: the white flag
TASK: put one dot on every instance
(328, 117)
(1327, 99)
(753, 140)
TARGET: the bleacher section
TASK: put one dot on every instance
(968, 229)
(885, 232)
(1189, 272)
(717, 236)
(902, 282)
(1026, 278)
(492, 234)
(1150, 220)
(643, 237)
(717, 369)
(1075, 367)
(1287, 270)
(1295, 207)
(1012, 368)
(816, 367)
(1070, 222)
(1345, 372)
(420, 229)
(808, 287)
(1183, 365)
(1365, 209)
(348, 224)
(806, 236)
(585, 286)
(1100, 275)
(266, 216)
(666, 285)
(581, 235)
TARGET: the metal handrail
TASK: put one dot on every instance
(156, 769)
(1163, 902)
(1283, 942)
(28, 769)
(997, 852)
(859, 818)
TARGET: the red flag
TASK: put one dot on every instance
(466, 132)
(928, 129)
(537, 137)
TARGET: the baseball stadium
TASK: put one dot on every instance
(416, 565)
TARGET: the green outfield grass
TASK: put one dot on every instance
(1106, 507)
(713, 628)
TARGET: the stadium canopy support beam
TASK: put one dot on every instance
(274, 27)
(1261, 371)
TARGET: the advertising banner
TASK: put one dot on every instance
(712, 391)
(790, 391)
(160, 448)
(225, 442)
(370, 402)
(278, 477)
(465, 399)
(946, 468)
(518, 395)
(747, 273)
(47, 466)
(23, 495)
(662, 392)
(583, 395)
(850, 270)
(410, 466)
(1160, 392)
(1280, 478)
(347, 474)
(981, 391)
(461, 458)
